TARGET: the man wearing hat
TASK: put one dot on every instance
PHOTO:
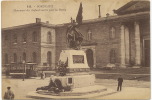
(9, 94)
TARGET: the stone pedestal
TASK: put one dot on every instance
(77, 81)
(77, 75)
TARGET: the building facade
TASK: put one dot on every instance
(123, 39)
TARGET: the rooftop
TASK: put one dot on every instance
(130, 11)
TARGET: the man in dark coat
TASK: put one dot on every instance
(9, 95)
(120, 80)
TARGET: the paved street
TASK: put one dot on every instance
(131, 89)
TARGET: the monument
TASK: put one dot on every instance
(73, 65)
(73, 69)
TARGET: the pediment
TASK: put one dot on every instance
(133, 7)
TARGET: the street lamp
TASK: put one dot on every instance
(23, 69)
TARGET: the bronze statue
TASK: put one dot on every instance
(74, 37)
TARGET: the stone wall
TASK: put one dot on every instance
(48, 47)
(28, 47)
(100, 35)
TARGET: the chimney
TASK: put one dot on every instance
(107, 15)
(99, 11)
(47, 22)
(38, 20)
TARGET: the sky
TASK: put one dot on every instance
(16, 13)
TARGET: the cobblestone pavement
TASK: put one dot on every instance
(130, 89)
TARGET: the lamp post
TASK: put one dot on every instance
(23, 69)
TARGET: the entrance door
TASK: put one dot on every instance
(90, 60)
(147, 53)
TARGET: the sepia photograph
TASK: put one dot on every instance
(75, 49)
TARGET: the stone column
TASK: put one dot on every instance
(94, 57)
(122, 47)
(127, 46)
(137, 44)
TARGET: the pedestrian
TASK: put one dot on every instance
(42, 75)
(9, 95)
(120, 80)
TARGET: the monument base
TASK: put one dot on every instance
(77, 81)
(85, 92)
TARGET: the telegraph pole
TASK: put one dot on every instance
(99, 11)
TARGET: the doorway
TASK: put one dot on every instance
(147, 53)
(90, 59)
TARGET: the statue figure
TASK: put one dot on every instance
(74, 37)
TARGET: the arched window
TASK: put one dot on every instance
(24, 56)
(49, 37)
(112, 33)
(34, 57)
(15, 38)
(34, 37)
(113, 56)
(89, 35)
(24, 37)
(15, 58)
(6, 58)
(49, 58)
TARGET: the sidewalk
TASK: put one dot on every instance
(126, 76)
(99, 72)
(129, 87)
(129, 93)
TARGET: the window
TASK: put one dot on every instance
(24, 56)
(69, 80)
(112, 33)
(24, 37)
(49, 37)
(15, 58)
(113, 56)
(15, 38)
(6, 37)
(89, 35)
(34, 57)
(6, 58)
(34, 37)
(49, 56)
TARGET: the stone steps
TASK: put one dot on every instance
(84, 91)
